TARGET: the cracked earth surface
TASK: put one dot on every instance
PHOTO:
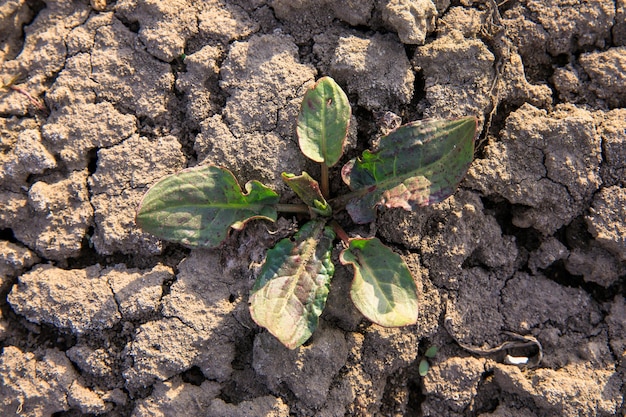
(101, 99)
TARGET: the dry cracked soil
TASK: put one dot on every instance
(100, 99)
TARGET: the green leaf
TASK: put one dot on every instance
(383, 289)
(290, 293)
(418, 164)
(197, 207)
(309, 191)
(431, 352)
(323, 122)
(424, 366)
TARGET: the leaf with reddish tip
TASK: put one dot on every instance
(382, 289)
(291, 290)
(197, 207)
(323, 122)
(309, 192)
(418, 164)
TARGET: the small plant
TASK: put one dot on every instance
(10, 85)
(417, 164)
(424, 365)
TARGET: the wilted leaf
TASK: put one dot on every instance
(418, 164)
(323, 122)
(309, 191)
(198, 206)
(290, 293)
(383, 289)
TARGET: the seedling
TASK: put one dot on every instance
(424, 365)
(415, 165)
(10, 85)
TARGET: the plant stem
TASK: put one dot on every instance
(339, 203)
(325, 183)
(341, 234)
(293, 208)
(34, 101)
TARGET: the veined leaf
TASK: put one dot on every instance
(197, 207)
(383, 289)
(323, 122)
(290, 293)
(418, 164)
(309, 191)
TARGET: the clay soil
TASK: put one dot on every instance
(525, 263)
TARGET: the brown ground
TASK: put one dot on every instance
(98, 318)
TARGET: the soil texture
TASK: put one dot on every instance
(521, 273)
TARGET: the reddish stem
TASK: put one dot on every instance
(293, 208)
(35, 102)
(325, 183)
(341, 234)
